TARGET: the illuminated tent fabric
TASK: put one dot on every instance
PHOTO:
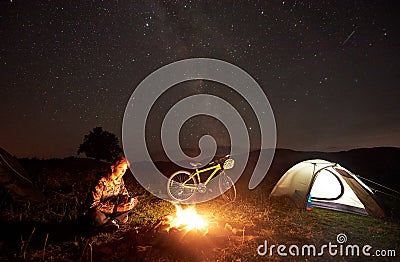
(15, 181)
(330, 185)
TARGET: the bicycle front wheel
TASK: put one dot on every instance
(227, 187)
(181, 186)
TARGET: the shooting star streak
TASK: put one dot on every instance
(347, 39)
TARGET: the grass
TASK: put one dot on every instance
(253, 224)
(317, 227)
(49, 232)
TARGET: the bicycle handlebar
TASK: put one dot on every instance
(221, 160)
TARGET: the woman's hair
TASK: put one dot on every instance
(120, 160)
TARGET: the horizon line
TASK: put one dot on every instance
(250, 151)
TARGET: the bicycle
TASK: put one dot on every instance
(183, 184)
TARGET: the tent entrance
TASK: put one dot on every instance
(327, 186)
(329, 190)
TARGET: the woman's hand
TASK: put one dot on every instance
(124, 207)
(127, 206)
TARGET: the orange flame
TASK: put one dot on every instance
(187, 219)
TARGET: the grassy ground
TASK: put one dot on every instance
(51, 232)
(235, 232)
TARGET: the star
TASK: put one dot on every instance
(77, 66)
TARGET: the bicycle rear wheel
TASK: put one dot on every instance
(227, 187)
(179, 191)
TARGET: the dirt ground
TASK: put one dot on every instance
(161, 245)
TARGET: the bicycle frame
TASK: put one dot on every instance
(216, 168)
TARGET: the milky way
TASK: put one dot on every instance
(329, 69)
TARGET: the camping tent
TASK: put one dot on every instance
(330, 185)
(15, 181)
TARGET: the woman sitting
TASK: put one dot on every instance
(111, 201)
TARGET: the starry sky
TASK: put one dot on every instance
(330, 69)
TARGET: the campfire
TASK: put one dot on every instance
(186, 219)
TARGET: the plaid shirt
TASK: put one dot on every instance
(104, 191)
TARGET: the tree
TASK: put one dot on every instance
(100, 145)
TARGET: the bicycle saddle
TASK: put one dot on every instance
(195, 164)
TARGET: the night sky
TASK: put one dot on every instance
(330, 69)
